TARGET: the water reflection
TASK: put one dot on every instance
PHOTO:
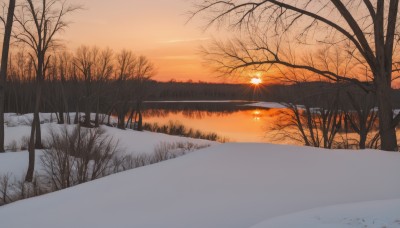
(239, 123)
(257, 115)
(197, 110)
(231, 120)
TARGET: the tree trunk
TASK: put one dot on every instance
(65, 101)
(61, 114)
(129, 122)
(96, 120)
(4, 65)
(121, 121)
(109, 118)
(77, 119)
(31, 149)
(87, 112)
(386, 128)
(35, 134)
(140, 122)
(38, 138)
(363, 140)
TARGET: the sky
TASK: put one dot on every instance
(156, 29)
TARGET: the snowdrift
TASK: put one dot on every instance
(227, 186)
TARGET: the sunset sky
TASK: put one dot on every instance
(154, 28)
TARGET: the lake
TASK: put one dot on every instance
(230, 119)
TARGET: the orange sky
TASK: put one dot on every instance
(153, 28)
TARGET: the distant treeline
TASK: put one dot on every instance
(203, 91)
(108, 95)
(294, 93)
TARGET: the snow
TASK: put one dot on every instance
(266, 105)
(136, 142)
(16, 164)
(130, 142)
(227, 186)
(380, 214)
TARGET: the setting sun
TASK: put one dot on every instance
(256, 81)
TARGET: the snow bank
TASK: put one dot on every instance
(16, 164)
(266, 105)
(133, 142)
(379, 214)
(226, 186)
(130, 143)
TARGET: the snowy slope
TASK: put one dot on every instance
(379, 214)
(226, 186)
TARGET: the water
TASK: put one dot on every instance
(231, 120)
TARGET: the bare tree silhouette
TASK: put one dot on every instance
(276, 30)
(39, 21)
(8, 23)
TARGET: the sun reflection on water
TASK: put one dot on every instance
(257, 115)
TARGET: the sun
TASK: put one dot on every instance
(256, 81)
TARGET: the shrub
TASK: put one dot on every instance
(5, 187)
(77, 156)
(162, 152)
(13, 146)
(12, 190)
(25, 143)
(176, 128)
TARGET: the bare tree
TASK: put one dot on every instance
(133, 74)
(8, 23)
(365, 30)
(95, 67)
(85, 60)
(64, 70)
(39, 21)
(143, 73)
(364, 116)
(316, 122)
(103, 72)
(126, 64)
(78, 155)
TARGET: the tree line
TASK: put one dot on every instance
(40, 74)
(91, 80)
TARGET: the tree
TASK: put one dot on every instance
(39, 21)
(275, 30)
(4, 65)
(362, 119)
(312, 116)
(85, 61)
(64, 70)
(103, 72)
(95, 67)
(126, 64)
(133, 73)
(142, 74)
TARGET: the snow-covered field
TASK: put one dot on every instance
(229, 186)
(130, 142)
